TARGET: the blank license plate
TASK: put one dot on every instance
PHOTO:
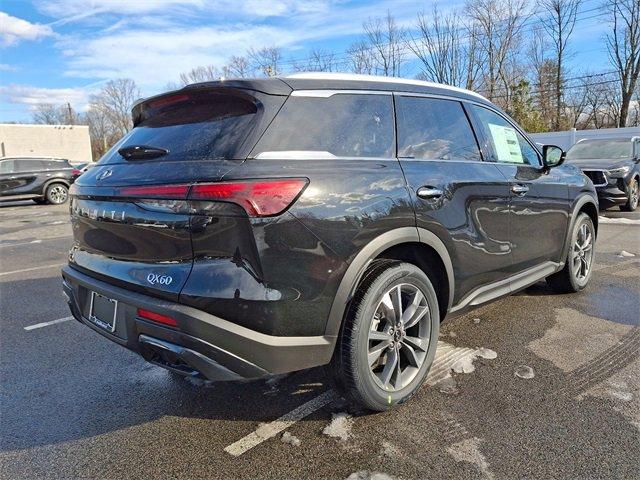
(102, 311)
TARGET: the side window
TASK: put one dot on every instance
(508, 145)
(434, 129)
(7, 166)
(28, 165)
(345, 125)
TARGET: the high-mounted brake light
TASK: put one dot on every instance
(259, 198)
(157, 317)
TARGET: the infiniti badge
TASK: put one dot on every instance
(105, 174)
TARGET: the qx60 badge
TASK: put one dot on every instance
(155, 278)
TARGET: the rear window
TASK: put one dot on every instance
(601, 149)
(344, 125)
(193, 125)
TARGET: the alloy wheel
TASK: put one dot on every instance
(583, 252)
(399, 337)
(633, 194)
(58, 194)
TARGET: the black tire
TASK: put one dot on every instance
(350, 370)
(569, 279)
(57, 194)
(633, 193)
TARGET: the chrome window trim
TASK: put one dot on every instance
(324, 93)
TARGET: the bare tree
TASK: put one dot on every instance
(267, 60)
(542, 71)
(499, 25)
(440, 48)
(200, 74)
(558, 18)
(623, 45)
(237, 67)
(50, 114)
(387, 43)
(114, 102)
(360, 58)
(318, 61)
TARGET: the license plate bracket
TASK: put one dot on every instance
(103, 311)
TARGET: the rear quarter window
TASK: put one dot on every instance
(344, 125)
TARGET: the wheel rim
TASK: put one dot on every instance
(58, 194)
(583, 252)
(633, 194)
(399, 337)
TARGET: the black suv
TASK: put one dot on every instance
(253, 227)
(44, 180)
(613, 165)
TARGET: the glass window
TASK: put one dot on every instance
(7, 166)
(434, 129)
(29, 165)
(508, 145)
(345, 125)
(600, 149)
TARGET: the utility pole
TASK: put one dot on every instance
(70, 114)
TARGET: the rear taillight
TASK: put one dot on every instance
(259, 198)
(157, 317)
(75, 171)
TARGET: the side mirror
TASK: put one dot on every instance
(552, 156)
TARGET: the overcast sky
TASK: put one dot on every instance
(61, 50)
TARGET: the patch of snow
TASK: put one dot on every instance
(290, 439)
(621, 395)
(625, 254)
(465, 364)
(453, 334)
(468, 450)
(340, 426)
(390, 450)
(367, 475)
(487, 353)
(448, 385)
(198, 382)
(476, 321)
(523, 371)
(621, 221)
(458, 359)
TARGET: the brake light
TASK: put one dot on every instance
(75, 171)
(156, 191)
(259, 198)
(157, 317)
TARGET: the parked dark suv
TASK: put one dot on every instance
(44, 180)
(613, 165)
(253, 227)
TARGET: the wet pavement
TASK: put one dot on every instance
(74, 405)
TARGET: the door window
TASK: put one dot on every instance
(508, 145)
(434, 129)
(7, 166)
(28, 165)
(344, 125)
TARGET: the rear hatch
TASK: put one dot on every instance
(132, 214)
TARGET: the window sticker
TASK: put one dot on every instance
(506, 144)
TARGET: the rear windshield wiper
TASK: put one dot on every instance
(142, 152)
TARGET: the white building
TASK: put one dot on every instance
(59, 141)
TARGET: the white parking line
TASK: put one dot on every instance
(32, 241)
(46, 324)
(42, 267)
(265, 432)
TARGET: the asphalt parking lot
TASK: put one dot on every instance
(74, 405)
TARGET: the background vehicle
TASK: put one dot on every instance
(80, 169)
(613, 165)
(45, 180)
(252, 227)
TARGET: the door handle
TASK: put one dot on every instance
(429, 193)
(519, 189)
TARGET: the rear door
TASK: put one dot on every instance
(26, 174)
(457, 196)
(539, 197)
(131, 219)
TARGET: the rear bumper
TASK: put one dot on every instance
(203, 344)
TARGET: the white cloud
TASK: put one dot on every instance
(14, 29)
(5, 67)
(31, 96)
